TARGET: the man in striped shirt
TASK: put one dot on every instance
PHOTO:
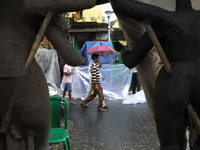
(90, 76)
(96, 85)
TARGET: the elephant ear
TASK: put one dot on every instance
(149, 67)
(61, 44)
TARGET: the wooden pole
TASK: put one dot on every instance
(158, 47)
(38, 39)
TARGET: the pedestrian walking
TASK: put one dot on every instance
(96, 86)
(90, 76)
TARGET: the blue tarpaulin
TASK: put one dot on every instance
(103, 59)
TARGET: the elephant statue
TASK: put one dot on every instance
(174, 93)
(24, 97)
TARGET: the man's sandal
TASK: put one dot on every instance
(73, 103)
(84, 106)
(101, 109)
(106, 106)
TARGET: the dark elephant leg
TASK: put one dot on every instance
(2, 141)
(196, 145)
(196, 103)
(36, 112)
(41, 143)
(30, 112)
(170, 101)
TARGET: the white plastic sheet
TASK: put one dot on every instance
(115, 86)
(48, 61)
(139, 97)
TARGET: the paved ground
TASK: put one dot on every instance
(122, 127)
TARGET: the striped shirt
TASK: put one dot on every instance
(94, 70)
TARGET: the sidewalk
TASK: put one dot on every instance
(122, 127)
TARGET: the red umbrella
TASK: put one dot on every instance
(101, 50)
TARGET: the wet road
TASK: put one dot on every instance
(121, 127)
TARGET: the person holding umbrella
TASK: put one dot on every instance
(96, 85)
(90, 76)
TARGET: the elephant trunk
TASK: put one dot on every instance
(61, 44)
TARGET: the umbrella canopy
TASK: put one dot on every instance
(101, 50)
